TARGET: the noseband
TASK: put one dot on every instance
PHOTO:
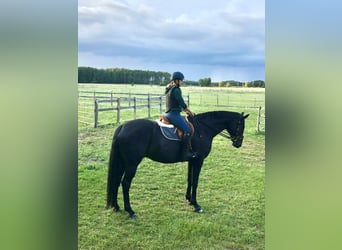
(237, 137)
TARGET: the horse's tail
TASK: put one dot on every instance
(115, 172)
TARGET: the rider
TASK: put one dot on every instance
(174, 105)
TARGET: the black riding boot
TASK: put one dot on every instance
(186, 149)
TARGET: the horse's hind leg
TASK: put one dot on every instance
(117, 181)
(126, 184)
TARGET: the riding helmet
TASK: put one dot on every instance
(177, 76)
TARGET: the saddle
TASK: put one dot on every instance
(170, 131)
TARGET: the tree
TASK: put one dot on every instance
(205, 82)
(257, 83)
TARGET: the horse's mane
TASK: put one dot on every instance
(213, 114)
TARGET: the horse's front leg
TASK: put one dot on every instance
(188, 190)
(196, 169)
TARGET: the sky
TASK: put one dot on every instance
(221, 39)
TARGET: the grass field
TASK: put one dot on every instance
(231, 191)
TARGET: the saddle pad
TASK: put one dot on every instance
(164, 125)
(168, 131)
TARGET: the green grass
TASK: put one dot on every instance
(231, 193)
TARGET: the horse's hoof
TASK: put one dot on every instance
(133, 216)
(198, 210)
(117, 209)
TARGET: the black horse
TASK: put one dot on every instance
(136, 139)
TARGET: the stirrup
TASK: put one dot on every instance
(190, 155)
(193, 154)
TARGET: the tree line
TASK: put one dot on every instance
(128, 76)
(119, 75)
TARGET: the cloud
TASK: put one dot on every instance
(220, 34)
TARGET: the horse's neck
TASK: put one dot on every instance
(215, 124)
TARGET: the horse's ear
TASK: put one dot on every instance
(245, 116)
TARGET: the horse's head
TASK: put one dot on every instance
(236, 128)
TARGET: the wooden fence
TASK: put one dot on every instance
(109, 101)
(121, 103)
(224, 100)
(260, 126)
(94, 105)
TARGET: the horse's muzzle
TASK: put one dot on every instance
(237, 145)
(237, 141)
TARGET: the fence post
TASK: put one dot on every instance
(217, 100)
(149, 105)
(135, 107)
(160, 104)
(258, 119)
(188, 100)
(96, 113)
(118, 110)
(111, 98)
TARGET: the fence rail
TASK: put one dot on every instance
(131, 103)
(102, 106)
(98, 102)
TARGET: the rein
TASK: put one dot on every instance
(221, 133)
(225, 135)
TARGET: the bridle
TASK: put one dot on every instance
(238, 136)
(234, 138)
